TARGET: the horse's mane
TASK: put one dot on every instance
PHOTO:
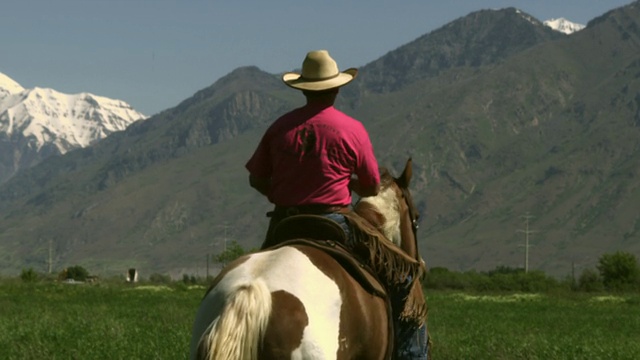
(390, 264)
(386, 179)
(381, 209)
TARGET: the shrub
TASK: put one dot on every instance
(76, 273)
(189, 279)
(442, 278)
(590, 280)
(500, 279)
(619, 271)
(29, 275)
(159, 278)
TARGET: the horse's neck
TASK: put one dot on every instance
(382, 211)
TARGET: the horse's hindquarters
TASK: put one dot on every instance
(317, 311)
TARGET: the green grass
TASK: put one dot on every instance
(534, 326)
(65, 321)
(82, 321)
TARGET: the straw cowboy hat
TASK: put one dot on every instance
(319, 72)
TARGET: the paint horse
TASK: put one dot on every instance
(298, 302)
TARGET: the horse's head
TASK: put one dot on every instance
(392, 211)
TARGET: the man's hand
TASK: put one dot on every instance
(354, 185)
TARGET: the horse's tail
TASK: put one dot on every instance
(238, 331)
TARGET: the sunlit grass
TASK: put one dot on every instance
(83, 321)
(534, 326)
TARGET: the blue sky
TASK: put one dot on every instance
(155, 53)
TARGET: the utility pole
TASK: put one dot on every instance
(207, 278)
(224, 239)
(224, 243)
(50, 260)
(224, 246)
(573, 270)
(526, 232)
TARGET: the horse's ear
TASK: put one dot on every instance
(405, 178)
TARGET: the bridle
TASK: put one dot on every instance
(413, 216)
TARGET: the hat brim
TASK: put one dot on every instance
(296, 81)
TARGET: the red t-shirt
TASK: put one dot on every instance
(310, 154)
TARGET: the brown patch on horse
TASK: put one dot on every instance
(358, 337)
(283, 337)
(371, 214)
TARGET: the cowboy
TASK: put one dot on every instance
(312, 158)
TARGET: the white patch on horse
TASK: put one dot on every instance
(386, 202)
(290, 270)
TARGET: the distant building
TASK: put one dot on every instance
(132, 275)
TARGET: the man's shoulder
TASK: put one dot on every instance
(286, 119)
(342, 116)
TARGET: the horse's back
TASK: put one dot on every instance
(317, 310)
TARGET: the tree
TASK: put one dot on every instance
(232, 252)
(619, 270)
(76, 273)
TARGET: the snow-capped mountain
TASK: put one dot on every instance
(67, 121)
(37, 123)
(563, 25)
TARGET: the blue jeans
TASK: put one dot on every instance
(342, 221)
(418, 348)
(412, 342)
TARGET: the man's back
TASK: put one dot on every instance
(312, 152)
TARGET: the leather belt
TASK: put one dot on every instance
(310, 209)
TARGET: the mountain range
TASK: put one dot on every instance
(38, 123)
(516, 132)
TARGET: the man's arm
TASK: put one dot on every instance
(363, 191)
(260, 184)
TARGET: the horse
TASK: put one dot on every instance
(297, 301)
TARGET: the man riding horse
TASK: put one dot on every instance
(311, 158)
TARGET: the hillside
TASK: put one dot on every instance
(537, 123)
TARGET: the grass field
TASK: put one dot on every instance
(529, 326)
(81, 321)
